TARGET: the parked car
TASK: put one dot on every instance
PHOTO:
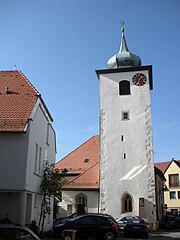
(147, 223)
(124, 219)
(98, 226)
(122, 222)
(177, 217)
(169, 222)
(15, 231)
(58, 220)
(136, 226)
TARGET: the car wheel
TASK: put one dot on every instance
(109, 236)
(67, 238)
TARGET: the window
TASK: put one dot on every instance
(173, 180)
(81, 200)
(127, 203)
(86, 160)
(102, 221)
(87, 220)
(36, 159)
(125, 115)
(124, 87)
(47, 136)
(35, 201)
(124, 155)
(81, 203)
(69, 209)
(122, 138)
(39, 167)
(178, 194)
(38, 153)
(172, 195)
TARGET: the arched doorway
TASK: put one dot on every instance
(127, 203)
(81, 203)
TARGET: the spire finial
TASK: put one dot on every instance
(124, 58)
(122, 26)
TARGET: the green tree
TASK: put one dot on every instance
(51, 185)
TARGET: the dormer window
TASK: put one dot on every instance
(86, 160)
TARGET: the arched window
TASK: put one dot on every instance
(127, 203)
(81, 203)
(124, 88)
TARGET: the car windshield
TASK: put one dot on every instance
(134, 219)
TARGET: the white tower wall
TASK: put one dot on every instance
(126, 149)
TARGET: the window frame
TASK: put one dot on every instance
(127, 203)
(178, 195)
(170, 195)
(123, 115)
(173, 180)
(124, 88)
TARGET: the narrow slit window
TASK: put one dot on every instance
(124, 156)
(122, 138)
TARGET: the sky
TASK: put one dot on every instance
(58, 45)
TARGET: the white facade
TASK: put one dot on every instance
(70, 201)
(22, 156)
(126, 150)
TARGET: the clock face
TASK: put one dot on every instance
(139, 79)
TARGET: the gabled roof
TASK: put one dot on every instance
(159, 173)
(82, 158)
(84, 162)
(87, 180)
(163, 166)
(17, 99)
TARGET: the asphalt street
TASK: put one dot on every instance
(160, 234)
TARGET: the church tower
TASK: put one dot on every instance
(127, 181)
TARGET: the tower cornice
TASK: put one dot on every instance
(128, 69)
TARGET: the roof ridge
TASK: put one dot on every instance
(167, 161)
(77, 148)
(28, 82)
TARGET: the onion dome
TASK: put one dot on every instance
(124, 58)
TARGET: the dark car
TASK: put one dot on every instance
(136, 226)
(73, 215)
(169, 222)
(124, 219)
(89, 226)
(15, 231)
(177, 218)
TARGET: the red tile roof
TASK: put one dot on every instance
(164, 165)
(84, 161)
(17, 99)
(87, 180)
(75, 161)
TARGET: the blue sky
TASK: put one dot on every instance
(58, 45)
